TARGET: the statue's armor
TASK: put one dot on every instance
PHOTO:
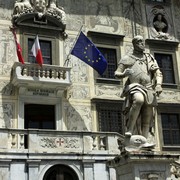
(141, 80)
(140, 74)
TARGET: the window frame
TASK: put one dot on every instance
(103, 105)
(174, 65)
(40, 42)
(175, 70)
(168, 109)
(26, 99)
(109, 41)
(55, 46)
(100, 79)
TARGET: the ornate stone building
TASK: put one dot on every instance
(62, 121)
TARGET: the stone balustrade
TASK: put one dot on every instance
(51, 141)
(35, 75)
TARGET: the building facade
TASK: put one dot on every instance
(62, 120)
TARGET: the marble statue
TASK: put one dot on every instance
(41, 7)
(20, 7)
(44, 12)
(144, 80)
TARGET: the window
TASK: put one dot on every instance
(171, 129)
(110, 56)
(109, 116)
(45, 48)
(165, 63)
(39, 116)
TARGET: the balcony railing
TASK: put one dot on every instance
(35, 75)
(51, 141)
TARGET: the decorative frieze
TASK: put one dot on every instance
(79, 92)
(78, 118)
(108, 91)
(177, 17)
(7, 50)
(102, 16)
(6, 115)
(60, 142)
(169, 96)
(6, 89)
(132, 18)
(79, 71)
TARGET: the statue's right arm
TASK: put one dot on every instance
(119, 73)
(123, 70)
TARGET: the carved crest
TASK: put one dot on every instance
(40, 12)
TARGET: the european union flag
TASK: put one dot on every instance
(85, 50)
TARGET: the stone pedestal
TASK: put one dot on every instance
(147, 165)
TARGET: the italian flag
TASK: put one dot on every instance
(36, 51)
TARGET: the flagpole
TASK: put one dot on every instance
(68, 56)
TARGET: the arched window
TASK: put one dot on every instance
(60, 172)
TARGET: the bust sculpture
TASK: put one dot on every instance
(159, 24)
(143, 84)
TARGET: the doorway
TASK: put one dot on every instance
(60, 172)
(39, 116)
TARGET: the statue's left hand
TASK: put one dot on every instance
(158, 89)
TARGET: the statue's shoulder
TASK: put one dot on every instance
(126, 60)
(149, 56)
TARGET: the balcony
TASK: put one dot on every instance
(58, 142)
(32, 75)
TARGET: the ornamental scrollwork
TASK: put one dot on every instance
(59, 142)
(40, 11)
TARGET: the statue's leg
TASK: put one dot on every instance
(137, 102)
(147, 115)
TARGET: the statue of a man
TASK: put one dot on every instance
(143, 84)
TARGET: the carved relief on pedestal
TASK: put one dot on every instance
(103, 19)
(160, 23)
(175, 170)
(152, 176)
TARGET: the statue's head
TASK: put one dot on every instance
(138, 43)
(40, 5)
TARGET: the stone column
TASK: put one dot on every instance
(88, 169)
(112, 173)
(33, 166)
(5, 169)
